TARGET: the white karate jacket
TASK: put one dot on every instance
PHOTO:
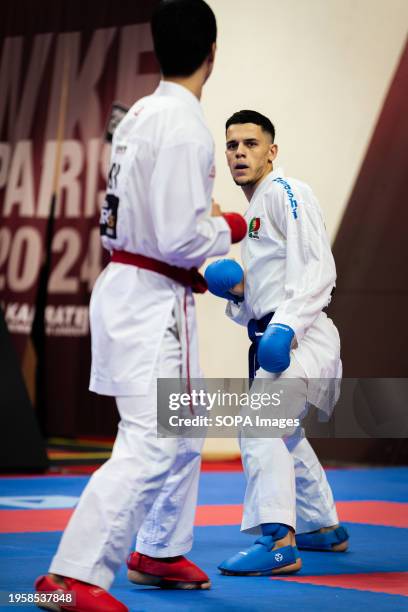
(290, 270)
(157, 204)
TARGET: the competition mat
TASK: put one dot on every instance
(372, 503)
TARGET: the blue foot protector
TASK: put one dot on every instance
(260, 559)
(322, 541)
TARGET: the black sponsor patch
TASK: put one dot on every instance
(109, 216)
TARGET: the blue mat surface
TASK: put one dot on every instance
(386, 484)
(23, 556)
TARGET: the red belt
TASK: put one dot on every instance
(188, 278)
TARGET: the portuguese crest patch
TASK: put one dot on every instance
(254, 227)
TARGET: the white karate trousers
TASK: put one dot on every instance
(148, 486)
(285, 481)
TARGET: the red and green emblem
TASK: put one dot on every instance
(253, 228)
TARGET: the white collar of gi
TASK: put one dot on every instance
(168, 88)
(263, 186)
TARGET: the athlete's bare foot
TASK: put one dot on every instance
(56, 578)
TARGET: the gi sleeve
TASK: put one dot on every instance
(238, 312)
(310, 269)
(179, 202)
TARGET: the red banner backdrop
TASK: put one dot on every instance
(59, 75)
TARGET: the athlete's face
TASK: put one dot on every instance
(250, 153)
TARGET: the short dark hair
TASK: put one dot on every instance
(183, 34)
(250, 116)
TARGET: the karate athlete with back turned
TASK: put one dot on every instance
(156, 223)
(288, 280)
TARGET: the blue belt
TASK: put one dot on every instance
(256, 328)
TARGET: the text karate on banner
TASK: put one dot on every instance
(57, 93)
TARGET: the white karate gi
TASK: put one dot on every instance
(157, 205)
(289, 270)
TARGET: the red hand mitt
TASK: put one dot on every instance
(237, 225)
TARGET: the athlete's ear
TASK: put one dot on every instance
(210, 60)
(212, 52)
(273, 151)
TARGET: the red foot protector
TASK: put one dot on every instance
(88, 597)
(173, 572)
(237, 225)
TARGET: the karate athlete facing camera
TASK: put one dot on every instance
(289, 277)
(156, 222)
